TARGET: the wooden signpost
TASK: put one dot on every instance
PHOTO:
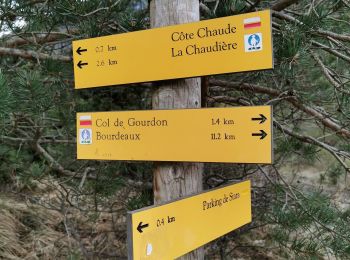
(232, 135)
(169, 231)
(236, 134)
(216, 46)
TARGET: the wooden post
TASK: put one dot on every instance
(174, 180)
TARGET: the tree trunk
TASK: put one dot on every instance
(174, 180)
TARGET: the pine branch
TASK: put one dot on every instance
(292, 19)
(56, 165)
(338, 154)
(326, 121)
(297, 200)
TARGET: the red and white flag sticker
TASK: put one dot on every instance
(252, 22)
(85, 120)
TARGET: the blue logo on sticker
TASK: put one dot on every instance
(85, 135)
(254, 42)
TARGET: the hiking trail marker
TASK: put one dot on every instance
(234, 134)
(216, 46)
(171, 230)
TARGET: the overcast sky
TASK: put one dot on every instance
(18, 23)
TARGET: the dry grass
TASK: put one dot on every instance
(29, 232)
(10, 244)
(46, 227)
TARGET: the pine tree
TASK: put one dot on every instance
(309, 89)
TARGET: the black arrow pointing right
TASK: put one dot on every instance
(140, 227)
(80, 50)
(262, 119)
(262, 134)
(81, 64)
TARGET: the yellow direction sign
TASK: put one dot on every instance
(237, 135)
(174, 229)
(223, 45)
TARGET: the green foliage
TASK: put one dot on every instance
(310, 226)
(75, 255)
(334, 172)
(32, 96)
(107, 182)
(38, 103)
(5, 173)
(6, 97)
(290, 146)
(229, 7)
(141, 200)
(290, 45)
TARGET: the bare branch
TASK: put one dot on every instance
(32, 55)
(226, 99)
(55, 165)
(36, 38)
(311, 140)
(41, 141)
(326, 72)
(332, 51)
(282, 4)
(101, 9)
(341, 37)
(286, 17)
(205, 9)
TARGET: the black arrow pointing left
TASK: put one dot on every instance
(262, 134)
(81, 64)
(80, 50)
(140, 227)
